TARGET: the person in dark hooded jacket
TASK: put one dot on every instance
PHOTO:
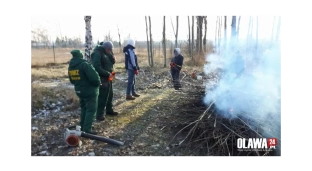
(132, 67)
(87, 82)
(175, 67)
(103, 61)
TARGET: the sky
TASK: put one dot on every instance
(74, 26)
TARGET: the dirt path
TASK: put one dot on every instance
(143, 124)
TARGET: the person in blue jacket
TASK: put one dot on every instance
(132, 67)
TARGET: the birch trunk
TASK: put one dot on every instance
(151, 41)
(238, 25)
(216, 34)
(257, 35)
(225, 34)
(205, 34)
(273, 29)
(278, 28)
(192, 49)
(233, 26)
(88, 38)
(177, 30)
(164, 42)
(189, 35)
(148, 46)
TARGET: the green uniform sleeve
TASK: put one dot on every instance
(96, 62)
(91, 74)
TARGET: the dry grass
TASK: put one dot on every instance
(53, 94)
(43, 69)
(52, 72)
(42, 57)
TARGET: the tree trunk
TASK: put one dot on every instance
(249, 34)
(189, 35)
(219, 31)
(197, 35)
(151, 40)
(257, 35)
(148, 44)
(249, 28)
(164, 42)
(278, 28)
(119, 40)
(88, 38)
(192, 49)
(205, 34)
(225, 34)
(233, 30)
(238, 25)
(273, 29)
(177, 30)
(216, 33)
(201, 35)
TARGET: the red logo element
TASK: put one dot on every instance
(272, 142)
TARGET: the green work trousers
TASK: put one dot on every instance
(88, 112)
(105, 99)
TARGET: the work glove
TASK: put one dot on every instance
(172, 64)
(136, 72)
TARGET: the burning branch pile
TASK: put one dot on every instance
(203, 129)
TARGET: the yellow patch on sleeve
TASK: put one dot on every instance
(74, 75)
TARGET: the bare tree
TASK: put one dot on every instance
(148, 43)
(189, 35)
(278, 28)
(108, 37)
(233, 26)
(197, 35)
(219, 32)
(175, 32)
(199, 41)
(216, 33)
(34, 39)
(249, 27)
(119, 40)
(164, 42)
(257, 34)
(204, 41)
(273, 29)
(151, 40)
(40, 37)
(176, 37)
(249, 33)
(238, 25)
(225, 34)
(192, 49)
(88, 38)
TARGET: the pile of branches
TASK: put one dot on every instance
(205, 132)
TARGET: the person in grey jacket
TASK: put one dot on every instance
(132, 67)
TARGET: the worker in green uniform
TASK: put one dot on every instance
(87, 82)
(103, 61)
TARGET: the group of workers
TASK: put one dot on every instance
(93, 80)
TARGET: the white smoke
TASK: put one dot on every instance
(255, 93)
